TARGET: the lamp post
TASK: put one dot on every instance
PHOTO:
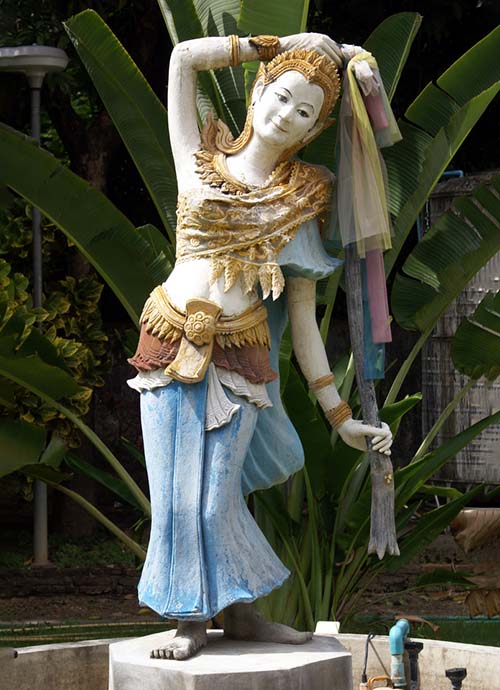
(35, 62)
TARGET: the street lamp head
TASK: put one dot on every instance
(34, 61)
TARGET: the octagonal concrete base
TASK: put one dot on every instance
(321, 664)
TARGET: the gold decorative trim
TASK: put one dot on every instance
(339, 414)
(234, 51)
(211, 166)
(321, 382)
(267, 46)
(163, 320)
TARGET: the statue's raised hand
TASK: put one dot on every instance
(321, 43)
(354, 433)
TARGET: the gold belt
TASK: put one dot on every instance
(198, 328)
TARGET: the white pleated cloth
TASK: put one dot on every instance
(219, 408)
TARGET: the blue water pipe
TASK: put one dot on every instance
(397, 635)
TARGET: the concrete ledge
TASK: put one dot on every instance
(68, 666)
(321, 664)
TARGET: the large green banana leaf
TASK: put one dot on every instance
(32, 365)
(476, 345)
(135, 110)
(435, 126)
(110, 481)
(276, 18)
(409, 479)
(450, 254)
(106, 238)
(20, 444)
(223, 90)
(391, 43)
(32, 360)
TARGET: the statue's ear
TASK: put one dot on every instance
(257, 90)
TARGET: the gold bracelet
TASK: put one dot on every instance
(266, 46)
(338, 415)
(321, 382)
(234, 51)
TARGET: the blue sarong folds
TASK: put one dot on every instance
(206, 551)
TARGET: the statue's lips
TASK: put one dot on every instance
(278, 127)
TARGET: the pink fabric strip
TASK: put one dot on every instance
(377, 297)
(376, 111)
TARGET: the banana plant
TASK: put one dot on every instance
(326, 543)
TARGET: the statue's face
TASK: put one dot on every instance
(286, 110)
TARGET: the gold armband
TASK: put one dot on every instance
(338, 415)
(234, 51)
(321, 382)
(266, 46)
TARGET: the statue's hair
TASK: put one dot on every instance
(316, 68)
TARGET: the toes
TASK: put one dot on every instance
(183, 652)
(161, 653)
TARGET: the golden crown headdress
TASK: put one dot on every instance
(316, 68)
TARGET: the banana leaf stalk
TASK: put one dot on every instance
(383, 526)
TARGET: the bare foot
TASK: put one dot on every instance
(189, 638)
(244, 622)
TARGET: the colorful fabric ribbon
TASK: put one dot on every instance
(366, 124)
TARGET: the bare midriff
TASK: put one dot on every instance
(190, 279)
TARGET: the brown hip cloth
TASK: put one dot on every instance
(251, 361)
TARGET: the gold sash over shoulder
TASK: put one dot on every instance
(242, 229)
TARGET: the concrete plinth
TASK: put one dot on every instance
(321, 664)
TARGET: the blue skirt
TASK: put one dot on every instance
(205, 551)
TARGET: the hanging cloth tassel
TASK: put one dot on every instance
(366, 123)
(373, 352)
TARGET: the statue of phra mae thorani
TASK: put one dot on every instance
(249, 253)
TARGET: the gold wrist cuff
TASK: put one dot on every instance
(266, 46)
(321, 382)
(338, 415)
(234, 51)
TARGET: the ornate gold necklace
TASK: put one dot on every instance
(212, 168)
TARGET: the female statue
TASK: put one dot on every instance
(213, 424)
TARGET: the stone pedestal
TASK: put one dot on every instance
(320, 664)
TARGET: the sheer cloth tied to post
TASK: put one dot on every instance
(366, 124)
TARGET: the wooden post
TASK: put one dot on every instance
(382, 527)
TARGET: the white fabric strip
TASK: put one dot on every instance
(219, 408)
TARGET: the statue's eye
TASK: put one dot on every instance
(281, 97)
(303, 113)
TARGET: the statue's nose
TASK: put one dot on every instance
(284, 113)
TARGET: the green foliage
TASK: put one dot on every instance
(16, 548)
(137, 113)
(482, 329)
(103, 552)
(70, 318)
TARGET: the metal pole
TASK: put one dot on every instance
(40, 521)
